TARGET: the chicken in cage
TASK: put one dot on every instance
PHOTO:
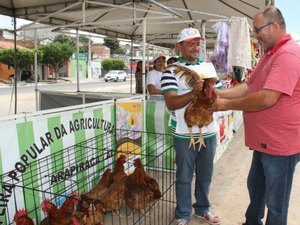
(123, 177)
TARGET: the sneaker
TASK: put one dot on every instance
(181, 222)
(210, 218)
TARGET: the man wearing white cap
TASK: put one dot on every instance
(154, 76)
(177, 96)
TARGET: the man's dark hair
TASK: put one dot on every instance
(171, 60)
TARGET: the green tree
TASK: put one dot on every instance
(64, 39)
(25, 58)
(114, 46)
(83, 39)
(120, 51)
(56, 54)
(113, 64)
(84, 49)
(83, 42)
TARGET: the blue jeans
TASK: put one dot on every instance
(188, 161)
(269, 184)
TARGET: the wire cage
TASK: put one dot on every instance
(79, 167)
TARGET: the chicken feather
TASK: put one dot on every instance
(197, 112)
(189, 76)
(22, 218)
(63, 215)
(141, 189)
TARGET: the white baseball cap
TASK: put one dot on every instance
(159, 55)
(188, 34)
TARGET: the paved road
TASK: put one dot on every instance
(85, 85)
(26, 95)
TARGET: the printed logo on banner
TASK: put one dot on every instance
(129, 118)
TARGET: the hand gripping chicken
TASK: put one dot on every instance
(198, 111)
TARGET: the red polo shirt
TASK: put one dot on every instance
(276, 130)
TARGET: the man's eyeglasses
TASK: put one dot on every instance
(258, 29)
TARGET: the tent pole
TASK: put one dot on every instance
(90, 71)
(77, 59)
(144, 124)
(144, 56)
(15, 60)
(35, 71)
(202, 50)
(131, 58)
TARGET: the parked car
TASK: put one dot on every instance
(26, 75)
(115, 75)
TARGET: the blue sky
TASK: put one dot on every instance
(291, 13)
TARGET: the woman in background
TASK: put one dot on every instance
(154, 76)
(139, 78)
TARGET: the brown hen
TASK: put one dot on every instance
(63, 215)
(113, 198)
(198, 111)
(21, 218)
(101, 186)
(118, 169)
(141, 189)
(89, 213)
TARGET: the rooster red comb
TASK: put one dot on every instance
(44, 204)
(74, 194)
(46, 200)
(74, 197)
(19, 213)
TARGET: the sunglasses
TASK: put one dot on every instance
(258, 29)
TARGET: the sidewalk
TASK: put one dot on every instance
(229, 195)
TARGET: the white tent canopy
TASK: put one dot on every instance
(147, 21)
(124, 18)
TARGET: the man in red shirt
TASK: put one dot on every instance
(270, 100)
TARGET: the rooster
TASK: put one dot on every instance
(21, 218)
(198, 111)
(62, 215)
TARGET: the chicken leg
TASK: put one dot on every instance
(192, 140)
(200, 139)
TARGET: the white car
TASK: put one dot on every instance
(115, 75)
